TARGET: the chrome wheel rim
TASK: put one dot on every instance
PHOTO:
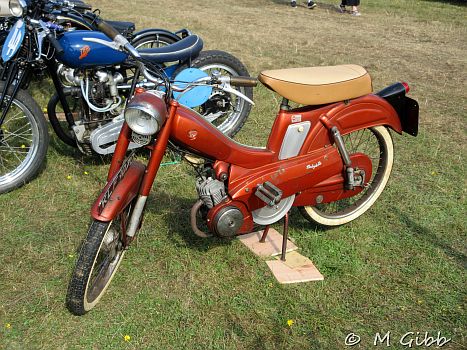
(380, 150)
(19, 143)
(105, 264)
(149, 44)
(224, 121)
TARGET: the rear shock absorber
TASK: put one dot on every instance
(336, 135)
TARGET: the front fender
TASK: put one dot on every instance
(118, 193)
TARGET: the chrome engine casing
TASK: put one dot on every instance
(228, 221)
(104, 138)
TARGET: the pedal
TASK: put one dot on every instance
(268, 193)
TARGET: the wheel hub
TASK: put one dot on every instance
(110, 240)
(218, 103)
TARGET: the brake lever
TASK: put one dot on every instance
(228, 88)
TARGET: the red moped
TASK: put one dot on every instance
(331, 158)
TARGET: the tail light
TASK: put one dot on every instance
(406, 87)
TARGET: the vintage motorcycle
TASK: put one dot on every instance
(92, 79)
(332, 158)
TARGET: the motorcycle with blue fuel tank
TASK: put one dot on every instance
(93, 80)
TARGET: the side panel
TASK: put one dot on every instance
(111, 202)
(291, 176)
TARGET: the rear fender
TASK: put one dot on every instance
(364, 112)
(118, 193)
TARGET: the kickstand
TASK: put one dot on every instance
(265, 233)
(285, 235)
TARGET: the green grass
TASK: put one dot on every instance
(399, 268)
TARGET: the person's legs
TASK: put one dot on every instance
(355, 11)
(311, 4)
(342, 6)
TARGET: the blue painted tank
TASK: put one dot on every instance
(86, 48)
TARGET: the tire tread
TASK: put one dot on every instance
(77, 286)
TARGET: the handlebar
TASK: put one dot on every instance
(243, 81)
(79, 5)
(123, 43)
(107, 29)
(54, 42)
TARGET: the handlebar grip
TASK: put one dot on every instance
(54, 42)
(107, 29)
(83, 6)
(243, 81)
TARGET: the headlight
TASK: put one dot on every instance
(146, 113)
(141, 120)
(17, 7)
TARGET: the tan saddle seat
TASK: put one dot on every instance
(318, 85)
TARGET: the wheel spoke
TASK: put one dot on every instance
(11, 151)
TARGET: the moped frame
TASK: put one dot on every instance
(248, 166)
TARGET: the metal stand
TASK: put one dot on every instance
(265, 234)
(285, 235)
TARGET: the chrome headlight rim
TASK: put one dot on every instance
(152, 124)
(17, 7)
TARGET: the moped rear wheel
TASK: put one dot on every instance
(98, 261)
(377, 144)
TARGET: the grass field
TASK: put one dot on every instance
(400, 268)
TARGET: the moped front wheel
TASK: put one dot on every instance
(24, 140)
(98, 261)
(377, 144)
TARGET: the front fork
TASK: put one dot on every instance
(151, 168)
(14, 73)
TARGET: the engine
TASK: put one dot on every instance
(210, 191)
(226, 218)
(96, 100)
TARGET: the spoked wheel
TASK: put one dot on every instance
(99, 259)
(226, 111)
(23, 141)
(377, 144)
